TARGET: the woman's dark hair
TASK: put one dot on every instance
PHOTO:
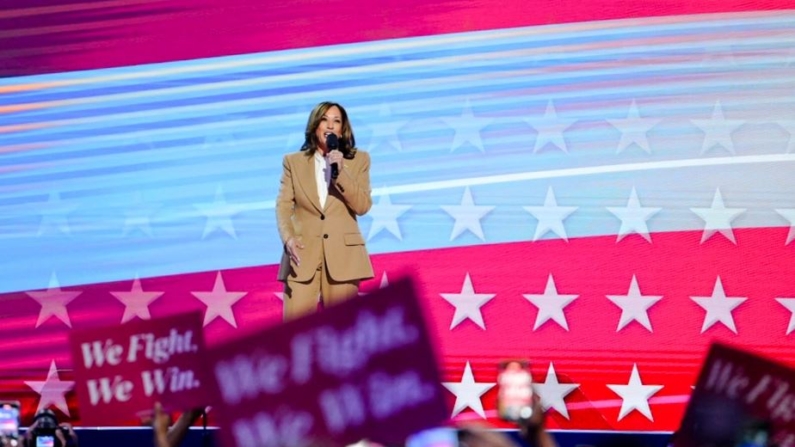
(347, 140)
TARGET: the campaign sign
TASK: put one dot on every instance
(363, 369)
(740, 400)
(121, 371)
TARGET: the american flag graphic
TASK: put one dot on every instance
(599, 187)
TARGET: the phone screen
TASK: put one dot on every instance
(45, 441)
(754, 434)
(515, 395)
(9, 419)
(434, 437)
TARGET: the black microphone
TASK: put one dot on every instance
(332, 144)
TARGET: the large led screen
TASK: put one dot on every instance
(600, 187)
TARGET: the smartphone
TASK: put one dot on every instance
(9, 420)
(434, 437)
(45, 441)
(755, 433)
(515, 393)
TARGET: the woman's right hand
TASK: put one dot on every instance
(292, 246)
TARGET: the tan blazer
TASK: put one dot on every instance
(331, 233)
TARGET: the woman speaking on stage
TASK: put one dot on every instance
(324, 187)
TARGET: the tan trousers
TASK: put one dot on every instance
(302, 298)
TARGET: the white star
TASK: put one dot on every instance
(384, 284)
(467, 216)
(718, 130)
(385, 129)
(52, 391)
(219, 214)
(136, 301)
(550, 216)
(143, 141)
(53, 302)
(222, 138)
(550, 130)
(295, 120)
(718, 218)
(467, 392)
(467, 304)
(138, 216)
(384, 281)
(219, 141)
(553, 393)
(55, 214)
(719, 307)
(219, 302)
(633, 217)
(789, 127)
(279, 295)
(385, 217)
(789, 214)
(294, 140)
(467, 129)
(635, 395)
(633, 129)
(634, 306)
(550, 305)
(789, 303)
(719, 57)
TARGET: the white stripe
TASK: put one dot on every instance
(556, 173)
(591, 170)
(773, 84)
(559, 173)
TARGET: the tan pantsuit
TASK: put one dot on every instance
(334, 258)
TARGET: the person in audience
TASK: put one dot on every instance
(323, 189)
(46, 427)
(532, 431)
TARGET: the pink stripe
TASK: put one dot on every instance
(129, 33)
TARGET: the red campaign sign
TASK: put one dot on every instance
(740, 399)
(364, 369)
(121, 371)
